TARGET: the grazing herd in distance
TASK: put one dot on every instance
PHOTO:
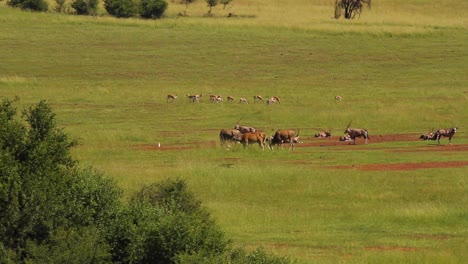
(215, 98)
(247, 135)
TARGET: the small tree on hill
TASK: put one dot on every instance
(121, 8)
(187, 3)
(152, 8)
(85, 7)
(211, 4)
(351, 8)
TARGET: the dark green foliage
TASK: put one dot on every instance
(152, 8)
(121, 8)
(85, 7)
(35, 5)
(164, 221)
(41, 189)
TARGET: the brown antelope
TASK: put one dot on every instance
(171, 97)
(254, 137)
(232, 135)
(338, 98)
(445, 133)
(356, 132)
(270, 101)
(194, 98)
(230, 98)
(243, 100)
(274, 99)
(257, 98)
(216, 98)
(284, 136)
(345, 138)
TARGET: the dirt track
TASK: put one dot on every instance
(345, 146)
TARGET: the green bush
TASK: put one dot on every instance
(152, 8)
(42, 191)
(121, 8)
(85, 7)
(35, 5)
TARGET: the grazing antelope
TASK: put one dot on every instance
(338, 98)
(274, 99)
(356, 132)
(446, 133)
(244, 129)
(270, 101)
(230, 98)
(243, 100)
(257, 98)
(254, 137)
(194, 98)
(216, 98)
(171, 97)
(284, 136)
(232, 135)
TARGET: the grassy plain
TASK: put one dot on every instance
(401, 69)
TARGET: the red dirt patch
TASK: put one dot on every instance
(382, 248)
(405, 166)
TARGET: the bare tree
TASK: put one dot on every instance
(351, 8)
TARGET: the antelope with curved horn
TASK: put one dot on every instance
(356, 132)
(445, 133)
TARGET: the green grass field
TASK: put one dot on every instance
(401, 68)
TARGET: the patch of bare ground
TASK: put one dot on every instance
(389, 248)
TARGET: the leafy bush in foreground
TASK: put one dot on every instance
(52, 211)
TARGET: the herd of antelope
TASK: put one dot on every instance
(247, 135)
(216, 98)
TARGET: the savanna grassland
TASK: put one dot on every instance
(401, 69)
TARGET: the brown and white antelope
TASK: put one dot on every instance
(323, 134)
(356, 133)
(257, 98)
(171, 97)
(216, 98)
(244, 129)
(429, 136)
(194, 98)
(229, 135)
(243, 100)
(274, 99)
(338, 98)
(446, 133)
(230, 99)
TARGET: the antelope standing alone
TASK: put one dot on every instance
(171, 97)
(356, 132)
(243, 100)
(445, 133)
(338, 98)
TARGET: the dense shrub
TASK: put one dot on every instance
(35, 5)
(121, 8)
(85, 7)
(152, 8)
(42, 191)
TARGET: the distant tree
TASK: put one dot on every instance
(152, 8)
(351, 8)
(60, 6)
(121, 8)
(85, 7)
(187, 3)
(225, 3)
(34, 5)
(211, 4)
